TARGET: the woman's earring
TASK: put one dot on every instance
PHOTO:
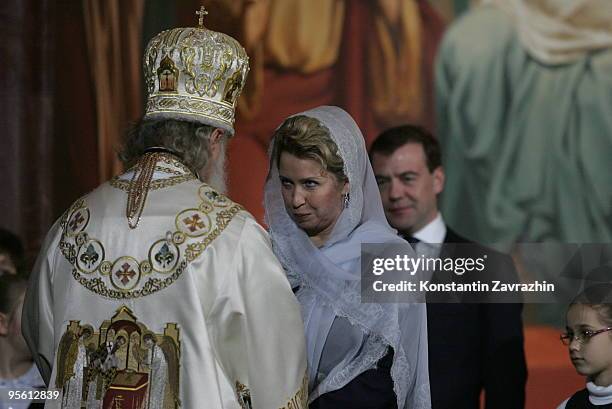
(346, 200)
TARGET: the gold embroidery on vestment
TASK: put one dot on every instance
(180, 173)
(300, 399)
(127, 277)
(156, 184)
(244, 396)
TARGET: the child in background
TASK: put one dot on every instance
(589, 337)
(17, 369)
(12, 256)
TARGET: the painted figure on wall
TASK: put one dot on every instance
(523, 99)
(523, 114)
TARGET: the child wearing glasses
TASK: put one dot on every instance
(589, 337)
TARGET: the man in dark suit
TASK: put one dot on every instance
(473, 346)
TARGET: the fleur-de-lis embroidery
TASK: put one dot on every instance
(76, 221)
(90, 256)
(214, 196)
(164, 256)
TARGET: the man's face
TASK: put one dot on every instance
(407, 188)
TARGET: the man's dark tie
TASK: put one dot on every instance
(412, 240)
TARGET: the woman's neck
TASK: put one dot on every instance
(12, 363)
(321, 237)
(319, 240)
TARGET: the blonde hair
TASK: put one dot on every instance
(307, 138)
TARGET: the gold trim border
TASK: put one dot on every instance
(153, 284)
(300, 399)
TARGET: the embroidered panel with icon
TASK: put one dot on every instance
(122, 364)
(126, 276)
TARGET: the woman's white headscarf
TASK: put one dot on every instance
(329, 280)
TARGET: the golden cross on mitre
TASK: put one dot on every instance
(201, 13)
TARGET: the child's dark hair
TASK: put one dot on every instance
(598, 297)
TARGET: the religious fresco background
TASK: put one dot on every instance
(72, 85)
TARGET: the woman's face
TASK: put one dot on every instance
(313, 197)
(593, 357)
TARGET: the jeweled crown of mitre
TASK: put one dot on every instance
(194, 74)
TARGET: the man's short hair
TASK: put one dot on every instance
(394, 138)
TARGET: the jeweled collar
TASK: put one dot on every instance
(157, 168)
(169, 171)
